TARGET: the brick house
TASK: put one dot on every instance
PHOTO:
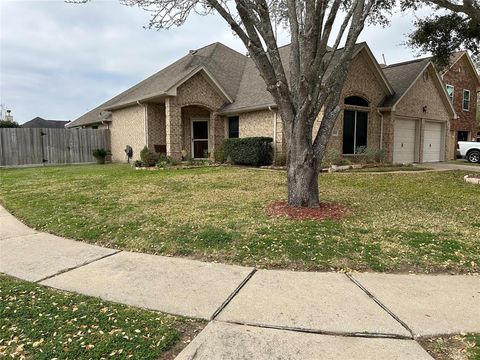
(463, 83)
(215, 92)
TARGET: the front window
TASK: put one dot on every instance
(466, 100)
(233, 127)
(462, 136)
(450, 92)
(355, 130)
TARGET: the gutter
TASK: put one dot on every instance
(248, 109)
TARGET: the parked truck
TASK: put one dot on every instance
(469, 150)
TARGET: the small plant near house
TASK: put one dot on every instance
(149, 157)
(100, 155)
(281, 159)
(372, 155)
(252, 151)
(219, 155)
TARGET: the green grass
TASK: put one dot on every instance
(40, 323)
(392, 168)
(461, 347)
(423, 222)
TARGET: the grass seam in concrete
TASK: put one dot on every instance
(233, 294)
(367, 335)
(63, 271)
(379, 303)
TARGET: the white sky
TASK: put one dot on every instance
(60, 60)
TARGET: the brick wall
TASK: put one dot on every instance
(127, 128)
(461, 77)
(156, 125)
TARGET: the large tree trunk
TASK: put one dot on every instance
(303, 171)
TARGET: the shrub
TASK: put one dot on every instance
(148, 157)
(373, 155)
(219, 155)
(9, 124)
(281, 159)
(253, 151)
(332, 157)
(100, 155)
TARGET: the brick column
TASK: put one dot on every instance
(173, 128)
(216, 133)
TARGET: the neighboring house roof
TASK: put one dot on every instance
(222, 66)
(455, 57)
(39, 122)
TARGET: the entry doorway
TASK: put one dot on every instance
(200, 138)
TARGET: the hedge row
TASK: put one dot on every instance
(253, 151)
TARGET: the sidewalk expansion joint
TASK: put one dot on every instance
(233, 294)
(379, 303)
(63, 271)
(321, 332)
(20, 236)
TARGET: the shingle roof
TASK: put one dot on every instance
(39, 122)
(225, 64)
(253, 92)
(239, 79)
(401, 76)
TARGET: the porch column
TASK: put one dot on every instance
(216, 132)
(173, 128)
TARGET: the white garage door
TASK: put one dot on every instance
(404, 141)
(432, 142)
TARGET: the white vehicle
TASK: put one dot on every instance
(469, 150)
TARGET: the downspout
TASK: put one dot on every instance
(381, 128)
(145, 124)
(274, 133)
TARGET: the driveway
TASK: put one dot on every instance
(462, 165)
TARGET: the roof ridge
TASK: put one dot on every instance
(407, 62)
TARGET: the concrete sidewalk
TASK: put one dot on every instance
(255, 314)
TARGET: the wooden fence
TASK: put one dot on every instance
(19, 146)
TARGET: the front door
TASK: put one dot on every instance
(200, 139)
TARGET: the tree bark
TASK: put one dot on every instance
(302, 174)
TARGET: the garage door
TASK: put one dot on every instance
(404, 141)
(432, 144)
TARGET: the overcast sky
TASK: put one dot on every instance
(60, 60)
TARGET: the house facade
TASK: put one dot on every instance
(462, 84)
(187, 109)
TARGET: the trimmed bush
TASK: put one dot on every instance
(253, 151)
(100, 155)
(149, 157)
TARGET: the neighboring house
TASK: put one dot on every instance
(215, 92)
(38, 122)
(463, 83)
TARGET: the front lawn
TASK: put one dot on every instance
(458, 347)
(422, 222)
(41, 323)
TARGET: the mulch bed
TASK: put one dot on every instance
(326, 211)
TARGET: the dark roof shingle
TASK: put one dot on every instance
(39, 122)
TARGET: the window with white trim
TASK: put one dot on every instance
(450, 92)
(466, 100)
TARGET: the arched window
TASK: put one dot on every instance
(356, 101)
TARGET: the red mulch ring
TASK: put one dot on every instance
(326, 211)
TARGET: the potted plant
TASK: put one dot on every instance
(100, 155)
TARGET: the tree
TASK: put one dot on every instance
(8, 124)
(457, 27)
(307, 89)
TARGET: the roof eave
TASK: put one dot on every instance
(248, 109)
